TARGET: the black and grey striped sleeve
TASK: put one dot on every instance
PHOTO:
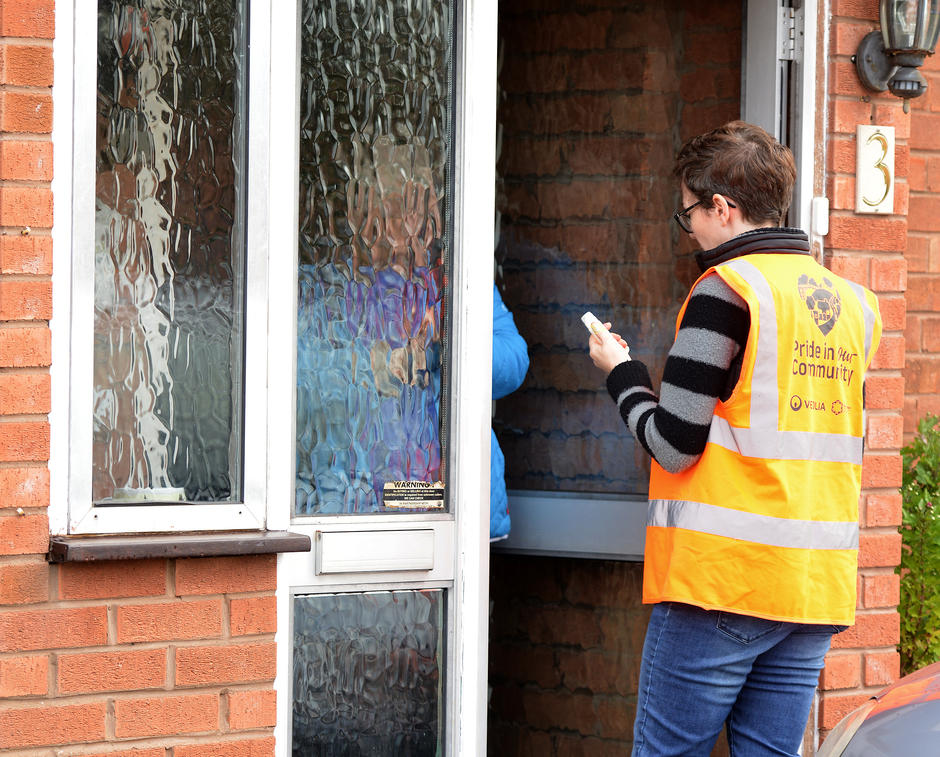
(699, 369)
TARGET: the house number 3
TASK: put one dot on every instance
(874, 177)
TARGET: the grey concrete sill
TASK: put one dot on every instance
(148, 546)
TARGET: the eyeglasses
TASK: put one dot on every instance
(681, 217)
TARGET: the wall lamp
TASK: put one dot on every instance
(889, 59)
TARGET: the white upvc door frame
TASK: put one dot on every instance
(461, 536)
(765, 78)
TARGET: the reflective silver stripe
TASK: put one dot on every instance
(758, 529)
(786, 445)
(869, 317)
(764, 397)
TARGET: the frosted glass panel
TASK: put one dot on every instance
(169, 253)
(375, 163)
(368, 674)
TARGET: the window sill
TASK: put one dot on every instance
(142, 547)
(565, 524)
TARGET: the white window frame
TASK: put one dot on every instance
(72, 510)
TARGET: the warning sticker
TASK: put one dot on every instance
(414, 495)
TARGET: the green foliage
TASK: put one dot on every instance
(920, 554)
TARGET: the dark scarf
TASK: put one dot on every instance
(784, 240)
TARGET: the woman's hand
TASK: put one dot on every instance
(608, 350)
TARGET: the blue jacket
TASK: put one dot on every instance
(510, 363)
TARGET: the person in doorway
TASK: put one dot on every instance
(756, 438)
(510, 363)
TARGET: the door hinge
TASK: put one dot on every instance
(789, 34)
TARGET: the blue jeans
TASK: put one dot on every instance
(702, 670)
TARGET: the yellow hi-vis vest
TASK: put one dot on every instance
(765, 523)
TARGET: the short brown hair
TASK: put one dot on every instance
(744, 163)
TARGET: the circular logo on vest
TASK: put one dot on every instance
(837, 407)
(823, 301)
(795, 402)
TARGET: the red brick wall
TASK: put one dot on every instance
(874, 251)
(565, 647)
(922, 334)
(136, 652)
(153, 658)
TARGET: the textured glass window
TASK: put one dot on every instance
(375, 165)
(169, 250)
(368, 674)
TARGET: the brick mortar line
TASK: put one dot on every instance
(30, 41)
(22, 136)
(164, 690)
(855, 690)
(227, 618)
(878, 570)
(142, 600)
(25, 323)
(162, 743)
(16, 231)
(84, 603)
(871, 612)
(169, 590)
(122, 647)
(266, 639)
(25, 370)
(28, 136)
(39, 89)
(12, 512)
(25, 278)
(25, 184)
(14, 560)
(68, 700)
(36, 752)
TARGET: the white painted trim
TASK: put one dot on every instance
(284, 656)
(283, 194)
(82, 282)
(283, 191)
(165, 518)
(809, 152)
(63, 61)
(256, 398)
(474, 211)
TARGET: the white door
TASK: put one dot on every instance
(382, 176)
